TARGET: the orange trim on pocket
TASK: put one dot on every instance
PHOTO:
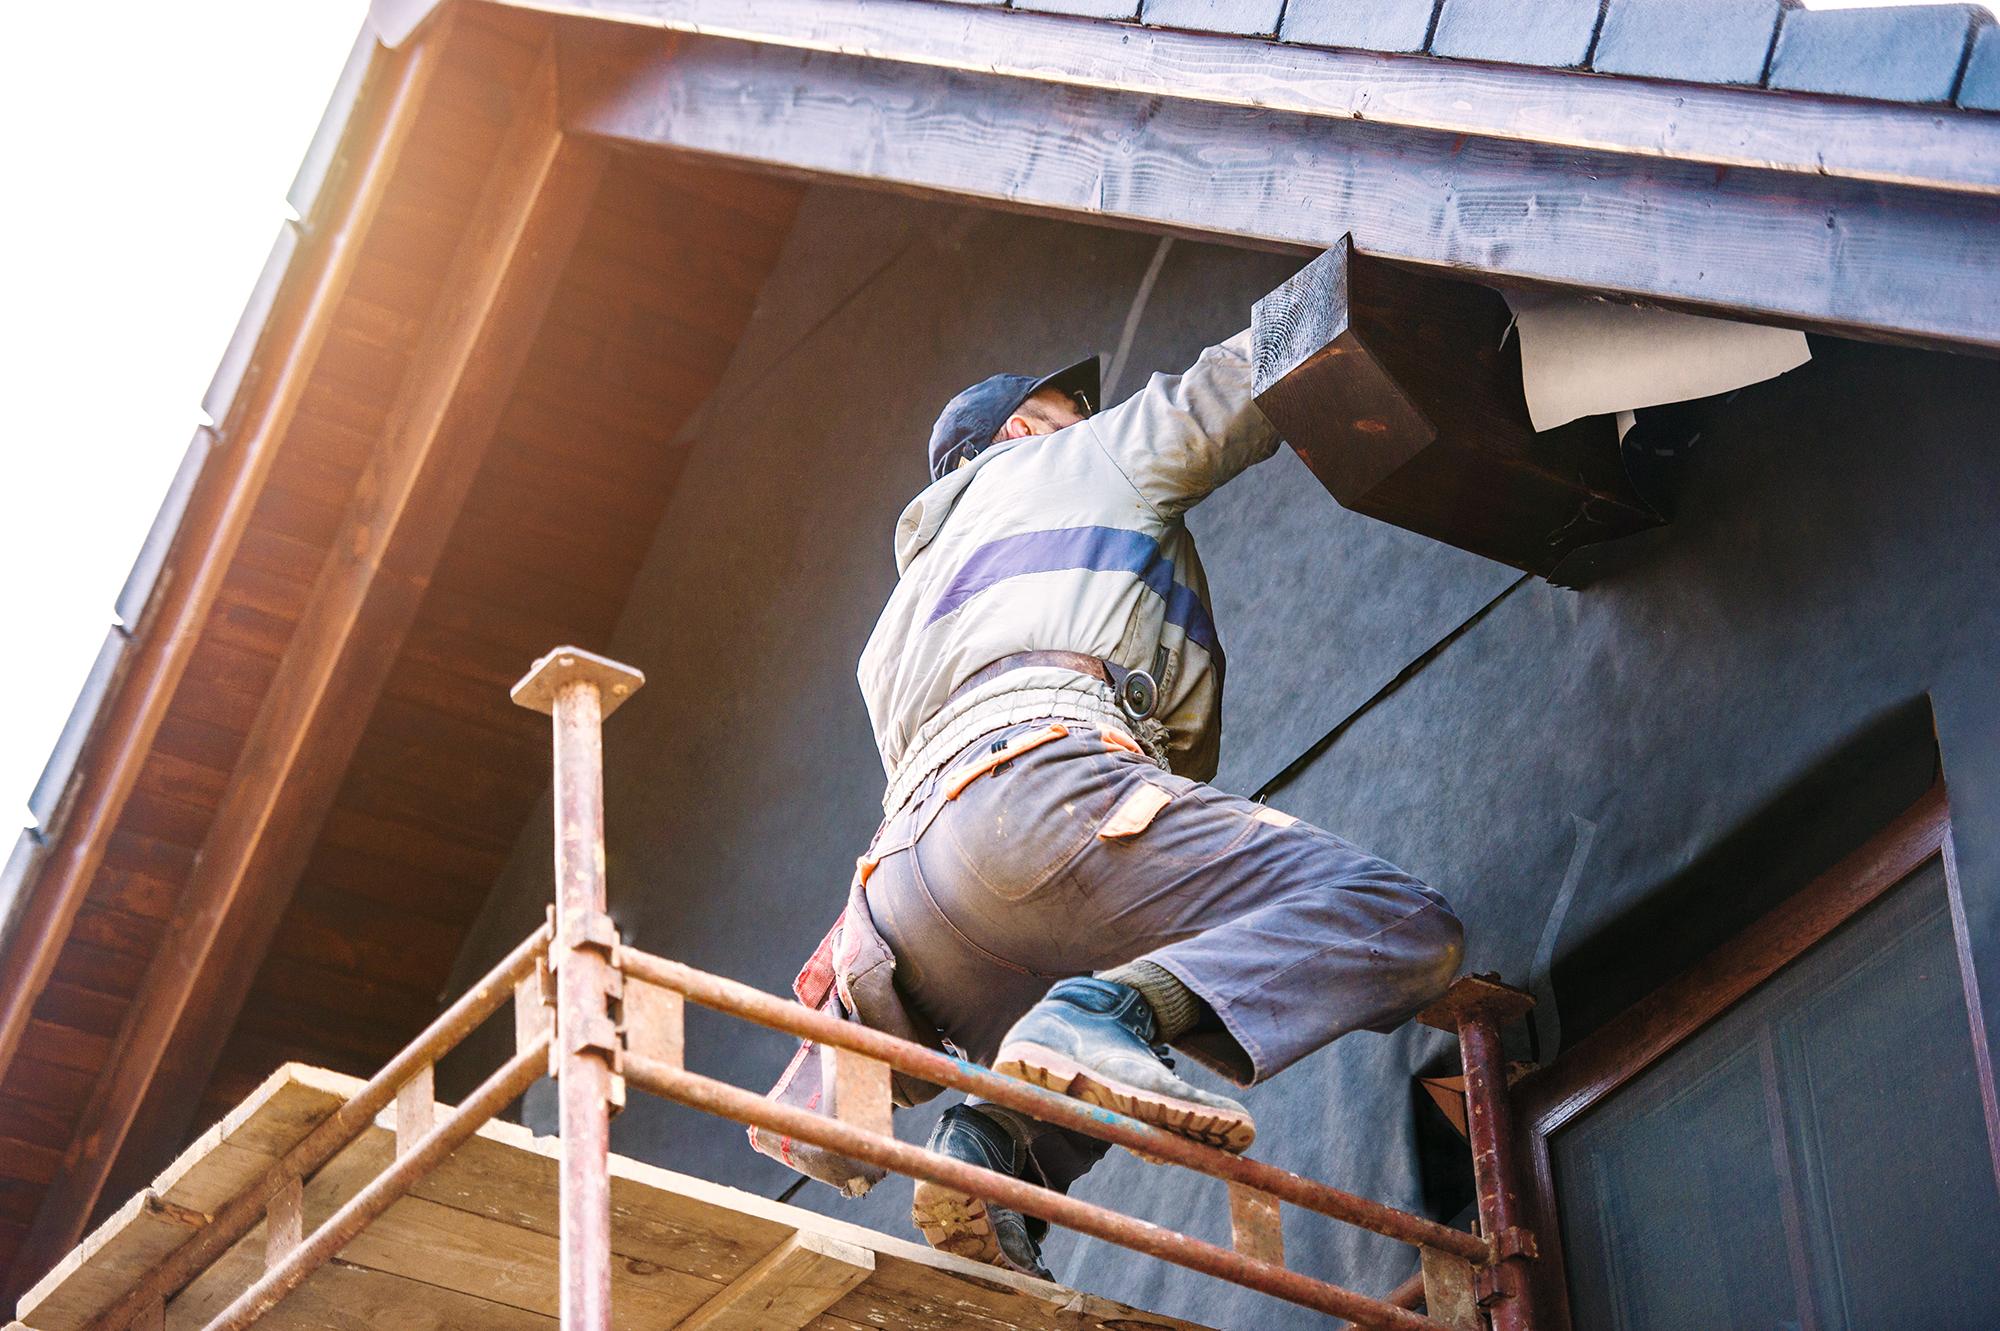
(1017, 746)
(1136, 812)
(1118, 739)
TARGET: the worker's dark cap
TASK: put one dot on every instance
(971, 419)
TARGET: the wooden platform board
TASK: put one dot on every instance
(474, 1246)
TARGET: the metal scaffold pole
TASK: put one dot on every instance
(579, 689)
(1476, 1009)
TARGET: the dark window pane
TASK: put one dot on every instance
(1817, 1157)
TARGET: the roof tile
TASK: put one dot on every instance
(325, 146)
(235, 364)
(1370, 25)
(1249, 18)
(1910, 54)
(1111, 9)
(14, 878)
(1979, 90)
(46, 801)
(1546, 32)
(1696, 41)
(138, 588)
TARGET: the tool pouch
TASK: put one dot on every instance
(851, 974)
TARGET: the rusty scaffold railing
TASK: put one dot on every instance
(597, 1014)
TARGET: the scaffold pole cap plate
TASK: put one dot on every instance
(1477, 995)
(538, 688)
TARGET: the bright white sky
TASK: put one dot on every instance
(147, 146)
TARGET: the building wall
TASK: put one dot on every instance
(1729, 704)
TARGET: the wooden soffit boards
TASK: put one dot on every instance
(1868, 221)
(327, 682)
(220, 515)
(474, 1244)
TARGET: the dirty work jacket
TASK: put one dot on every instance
(1073, 541)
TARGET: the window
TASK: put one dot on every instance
(1797, 1134)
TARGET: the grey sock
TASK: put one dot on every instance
(1176, 1008)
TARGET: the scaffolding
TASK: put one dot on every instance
(600, 1016)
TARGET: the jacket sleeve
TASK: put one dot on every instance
(1182, 436)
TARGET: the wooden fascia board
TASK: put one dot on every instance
(362, 605)
(218, 514)
(1811, 251)
(1928, 147)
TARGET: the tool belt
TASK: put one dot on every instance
(1137, 691)
(1114, 706)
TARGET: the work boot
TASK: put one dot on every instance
(1092, 1039)
(956, 1222)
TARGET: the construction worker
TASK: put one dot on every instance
(1063, 894)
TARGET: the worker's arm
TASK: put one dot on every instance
(1183, 435)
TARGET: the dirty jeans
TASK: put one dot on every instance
(1292, 936)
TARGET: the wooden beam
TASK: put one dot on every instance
(1402, 392)
(362, 605)
(794, 1283)
(218, 514)
(1734, 128)
(1843, 256)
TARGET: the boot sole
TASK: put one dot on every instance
(1041, 1066)
(956, 1222)
(959, 1223)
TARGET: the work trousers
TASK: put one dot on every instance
(1081, 854)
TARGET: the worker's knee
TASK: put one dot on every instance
(1446, 937)
(1430, 946)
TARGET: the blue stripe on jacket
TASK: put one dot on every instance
(1099, 549)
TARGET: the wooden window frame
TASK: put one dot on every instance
(1659, 1023)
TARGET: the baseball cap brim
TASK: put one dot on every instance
(1079, 380)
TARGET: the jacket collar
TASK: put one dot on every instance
(924, 517)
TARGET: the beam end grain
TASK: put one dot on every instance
(1403, 396)
(793, 1284)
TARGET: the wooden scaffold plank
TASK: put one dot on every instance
(474, 1243)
